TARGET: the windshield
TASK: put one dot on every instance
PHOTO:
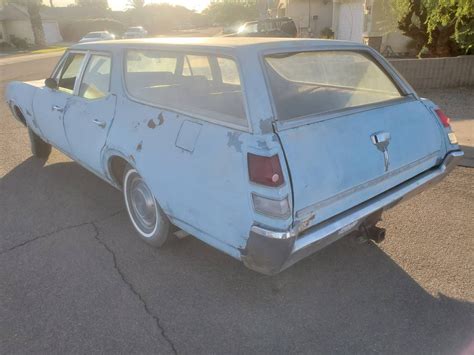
(308, 83)
(135, 29)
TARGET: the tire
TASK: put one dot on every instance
(146, 215)
(39, 148)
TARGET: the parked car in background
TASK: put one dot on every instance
(97, 36)
(265, 149)
(135, 32)
(276, 27)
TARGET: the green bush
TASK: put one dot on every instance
(74, 31)
(19, 43)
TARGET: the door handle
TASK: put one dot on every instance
(101, 124)
(57, 108)
(381, 140)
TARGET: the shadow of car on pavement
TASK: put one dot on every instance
(346, 298)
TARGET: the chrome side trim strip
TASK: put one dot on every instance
(341, 195)
(321, 235)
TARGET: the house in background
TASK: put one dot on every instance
(317, 18)
(363, 21)
(380, 29)
(15, 21)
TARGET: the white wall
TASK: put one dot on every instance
(20, 29)
(302, 12)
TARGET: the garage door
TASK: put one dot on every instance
(51, 32)
(351, 21)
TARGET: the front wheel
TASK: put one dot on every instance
(149, 220)
(39, 148)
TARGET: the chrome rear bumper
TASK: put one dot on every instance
(270, 251)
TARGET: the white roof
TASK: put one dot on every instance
(237, 43)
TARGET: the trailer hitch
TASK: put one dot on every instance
(367, 233)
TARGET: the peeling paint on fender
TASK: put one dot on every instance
(234, 141)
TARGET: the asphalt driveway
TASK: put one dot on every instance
(74, 277)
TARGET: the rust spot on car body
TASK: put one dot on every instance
(262, 144)
(151, 124)
(161, 119)
(140, 146)
(266, 125)
(234, 141)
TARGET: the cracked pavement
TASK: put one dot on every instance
(74, 277)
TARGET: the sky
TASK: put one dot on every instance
(197, 5)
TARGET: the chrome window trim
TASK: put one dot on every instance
(246, 129)
(60, 67)
(83, 69)
(324, 116)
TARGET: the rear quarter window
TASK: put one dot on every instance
(205, 86)
(309, 83)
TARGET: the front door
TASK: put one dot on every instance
(50, 104)
(89, 114)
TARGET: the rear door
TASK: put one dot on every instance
(347, 131)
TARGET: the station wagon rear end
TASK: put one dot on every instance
(265, 149)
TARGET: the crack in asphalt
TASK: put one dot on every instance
(116, 267)
(26, 242)
(133, 289)
(58, 230)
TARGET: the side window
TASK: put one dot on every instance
(96, 80)
(70, 71)
(190, 89)
(229, 71)
(150, 62)
(197, 65)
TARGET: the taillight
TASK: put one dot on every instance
(442, 117)
(265, 170)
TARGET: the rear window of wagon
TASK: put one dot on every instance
(315, 82)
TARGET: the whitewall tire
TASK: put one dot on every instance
(149, 220)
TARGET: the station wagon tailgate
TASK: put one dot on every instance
(355, 134)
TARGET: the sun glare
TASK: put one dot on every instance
(197, 5)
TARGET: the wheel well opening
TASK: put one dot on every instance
(117, 168)
(17, 112)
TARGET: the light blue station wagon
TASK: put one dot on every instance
(266, 149)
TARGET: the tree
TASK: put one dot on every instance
(51, 3)
(230, 13)
(33, 7)
(136, 4)
(440, 27)
(94, 4)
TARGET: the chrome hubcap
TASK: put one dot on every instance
(142, 204)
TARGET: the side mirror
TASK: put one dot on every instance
(51, 83)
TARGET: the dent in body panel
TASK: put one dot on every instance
(21, 95)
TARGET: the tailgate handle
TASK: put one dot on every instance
(381, 140)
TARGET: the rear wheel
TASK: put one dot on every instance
(39, 147)
(149, 220)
